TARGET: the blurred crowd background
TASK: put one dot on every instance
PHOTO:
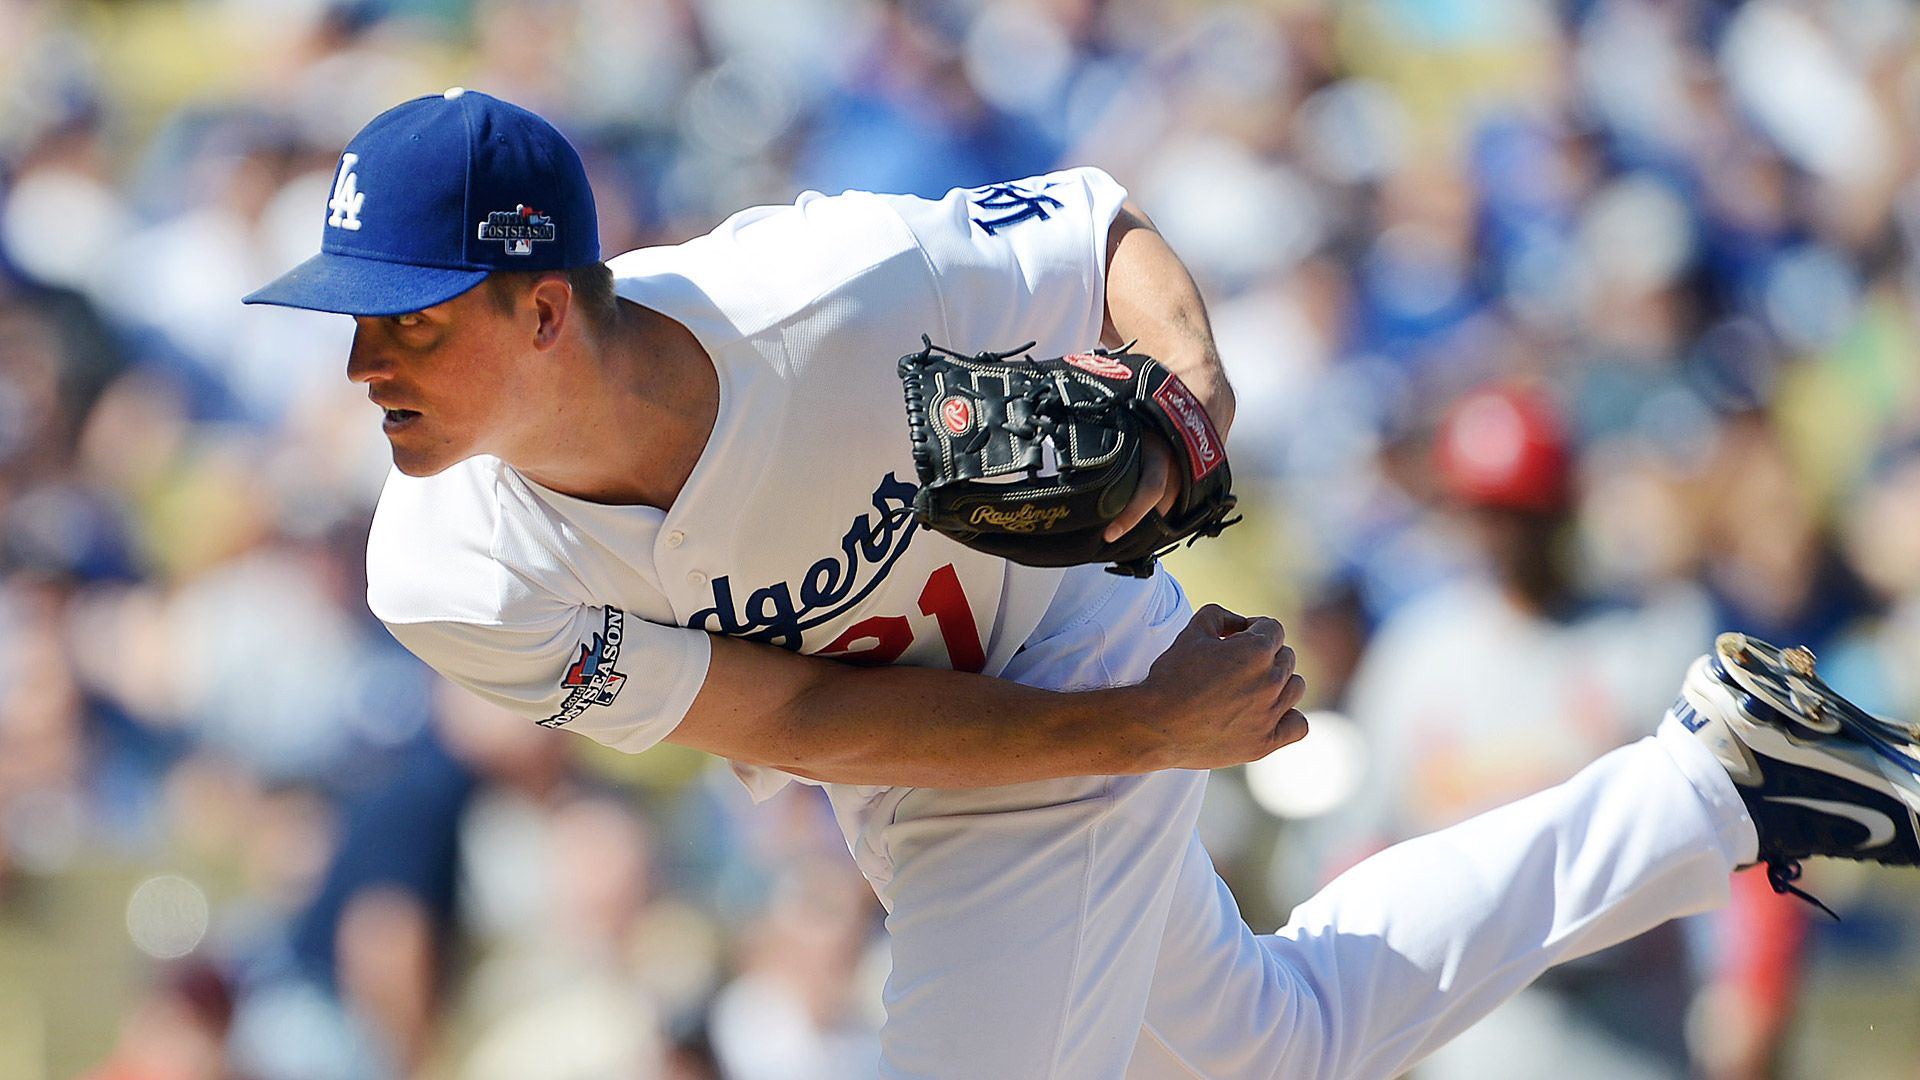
(1566, 335)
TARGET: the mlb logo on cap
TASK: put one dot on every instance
(435, 194)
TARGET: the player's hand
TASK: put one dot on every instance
(1225, 692)
(1158, 488)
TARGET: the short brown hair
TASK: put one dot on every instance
(592, 284)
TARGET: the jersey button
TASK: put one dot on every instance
(696, 577)
(676, 538)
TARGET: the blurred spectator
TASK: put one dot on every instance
(177, 1032)
(905, 117)
(800, 1008)
(1494, 686)
(1788, 581)
(561, 997)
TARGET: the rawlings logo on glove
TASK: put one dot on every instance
(1024, 520)
(1031, 459)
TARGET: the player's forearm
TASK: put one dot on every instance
(1152, 298)
(908, 726)
(1223, 693)
(931, 728)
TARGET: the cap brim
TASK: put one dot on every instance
(349, 285)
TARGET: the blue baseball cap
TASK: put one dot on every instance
(435, 194)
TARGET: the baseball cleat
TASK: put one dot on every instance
(1819, 776)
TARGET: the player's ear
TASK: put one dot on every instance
(552, 299)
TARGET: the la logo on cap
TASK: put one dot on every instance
(347, 196)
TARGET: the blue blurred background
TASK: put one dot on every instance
(1565, 334)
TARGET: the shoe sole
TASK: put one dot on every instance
(1782, 687)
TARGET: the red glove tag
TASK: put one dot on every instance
(1203, 443)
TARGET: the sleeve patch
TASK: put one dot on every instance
(591, 679)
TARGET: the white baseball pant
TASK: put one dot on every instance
(1076, 930)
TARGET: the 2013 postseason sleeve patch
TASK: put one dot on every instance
(592, 678)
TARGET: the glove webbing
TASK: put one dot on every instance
(1048, 408)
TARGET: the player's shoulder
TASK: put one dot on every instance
(454, 547)
(993, 213)
(763, 265)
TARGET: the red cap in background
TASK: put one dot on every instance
(1504, 447)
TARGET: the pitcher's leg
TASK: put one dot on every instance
(1025, 924)
(1411, 946)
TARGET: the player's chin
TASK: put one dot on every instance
(422, 461)
(416, 469)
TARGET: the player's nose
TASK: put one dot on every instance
(364, 360)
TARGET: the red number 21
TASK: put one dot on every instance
(891, 635)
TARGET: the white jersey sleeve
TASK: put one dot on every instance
(577, 671)
(1019, 261)
(486, 598)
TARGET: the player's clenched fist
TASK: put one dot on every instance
(1225, 692)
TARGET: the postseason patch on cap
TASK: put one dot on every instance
(517, 229)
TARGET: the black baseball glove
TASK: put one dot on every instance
(1031, 459)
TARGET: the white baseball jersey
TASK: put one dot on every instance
(1058, 930)
(794, 528)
